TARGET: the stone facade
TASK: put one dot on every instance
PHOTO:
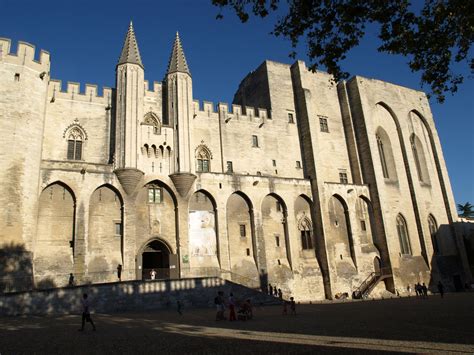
(302, 183)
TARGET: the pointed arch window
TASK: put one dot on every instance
(152, 120)
(75, 138)
(305, 228)
(383, 159)
(403, 237)
(203, 159)
(433, 227)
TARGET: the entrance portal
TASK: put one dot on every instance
(156, 256)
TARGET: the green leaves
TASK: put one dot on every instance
(433, 39)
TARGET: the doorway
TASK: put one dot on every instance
(155, 256)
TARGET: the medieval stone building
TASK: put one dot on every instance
(312, 186)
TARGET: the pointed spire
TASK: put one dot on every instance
(130, 52)
(177, 61)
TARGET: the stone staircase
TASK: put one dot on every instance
(129, 296)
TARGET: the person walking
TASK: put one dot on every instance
(275, 291)
(71, 280)
(119, 272)
(232, 316)
(285, 308)
(280, 294)
(86, 315)
(270, 289)
(292, 305)
(424, 290)
(441, 289)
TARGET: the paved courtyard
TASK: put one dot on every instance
(410, 325)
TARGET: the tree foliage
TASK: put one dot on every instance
(467, 210)
(433, 38)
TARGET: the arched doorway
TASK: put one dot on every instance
(156, 255)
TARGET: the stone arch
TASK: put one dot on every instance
(55, 239)
(203, 231)
(243, 258)
(385, 152)
(155, 254)
(105, 237)
(342, 230)
(274, 213)
(409, 179)
(303, 216)
(403, 236)
(439, 171)
(157, 217)
(366, 212)
(419, 159)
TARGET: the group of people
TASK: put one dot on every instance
(273, 291)
(421, 290)
(244, 308)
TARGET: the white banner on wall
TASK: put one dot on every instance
(202, 234)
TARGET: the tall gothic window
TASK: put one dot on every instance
(203, 158)
(74, 144)
(383, 160)
(305, 228)
(404, 239)
(433, 227)
(416, 157)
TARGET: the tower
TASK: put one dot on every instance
(23, 102)
(179, 100)
(130, 76)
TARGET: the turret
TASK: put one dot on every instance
(179, 104)
(130, 76)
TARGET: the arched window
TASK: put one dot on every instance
(433, 227)
(305, 228)
(419, 157)
(203, 159)
(75, 138)
(404, 239)
(383, 160)
(152, 120)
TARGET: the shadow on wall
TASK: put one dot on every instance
(16, 268)
(446, 264)
(128, 296)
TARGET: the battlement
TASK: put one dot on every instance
(229, 112)
(73, 92)
(25, 55)
(156, 87)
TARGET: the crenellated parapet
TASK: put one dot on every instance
(25, 55)
(229, 112)
(154, 90)
(73, 92)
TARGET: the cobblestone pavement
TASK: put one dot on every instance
(409, 325)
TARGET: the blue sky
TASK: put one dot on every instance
(85, 37)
